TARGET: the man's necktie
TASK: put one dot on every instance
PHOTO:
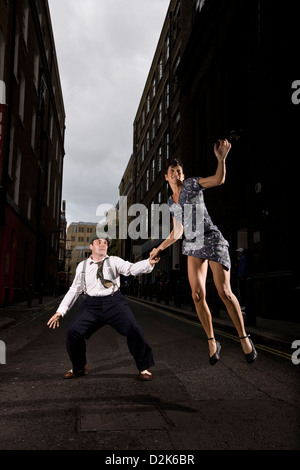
(105, 282)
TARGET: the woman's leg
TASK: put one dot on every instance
(197, 272)
(222, 283)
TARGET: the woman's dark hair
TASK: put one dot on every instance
(173, 163)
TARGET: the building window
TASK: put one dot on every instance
(167, 96)
(143, 117)
(36, 71)
(167, 146)
(153, 87)
(17, 178)
(56, 152)
(159, 158)
(54, 202)
(177, 62)
(37, 2)
(48, 183)
(177, 21)
(22, 97)
(199, 5)
(153, 129)
(148, 141)
(16, 55)
(153, 170)
(160, 68)
(25, 20)
(33, 127)
(159, 113)
(43, 92)
(148, 104)
(167, 45)
(143, 152)
(11, 148)
(147, 180)
(28, 207)
(51, 127)
(177, 127)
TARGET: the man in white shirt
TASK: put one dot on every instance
(104, 304)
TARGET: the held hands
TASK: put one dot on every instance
(154, 256)
(54, 321)
(221, 149)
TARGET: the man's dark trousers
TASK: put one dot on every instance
(110, 310)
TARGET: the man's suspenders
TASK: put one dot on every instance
(113, 276)
(83, 284)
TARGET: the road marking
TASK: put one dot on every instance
(220, 332)
(274, 351)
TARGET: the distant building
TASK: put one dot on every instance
(32, 125)
(78, 244)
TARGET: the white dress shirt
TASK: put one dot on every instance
(94, 287)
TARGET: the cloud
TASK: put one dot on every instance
(105, 49)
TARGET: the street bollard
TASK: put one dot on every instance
(29, 295)
(250, 315)
(41, 294)
(167, 293)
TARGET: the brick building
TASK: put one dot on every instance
(157, 127)
(32, 149)
(221, 69)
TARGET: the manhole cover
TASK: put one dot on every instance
(120, 417)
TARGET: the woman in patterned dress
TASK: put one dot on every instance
(204, 245)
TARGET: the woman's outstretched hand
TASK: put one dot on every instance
(221, 149)
(155, 255)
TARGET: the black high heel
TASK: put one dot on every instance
(214, 359)
(252, 356)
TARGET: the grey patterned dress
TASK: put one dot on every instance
(202, 239)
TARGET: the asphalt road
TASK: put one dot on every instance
(188, 406)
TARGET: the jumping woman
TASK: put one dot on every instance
(208, 247)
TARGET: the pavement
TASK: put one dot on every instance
(12, 314)
(265, 329)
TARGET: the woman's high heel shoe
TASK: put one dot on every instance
(252, 356)
(214, 359)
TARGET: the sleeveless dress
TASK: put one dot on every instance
(202, 239)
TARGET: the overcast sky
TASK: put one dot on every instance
(105, 49)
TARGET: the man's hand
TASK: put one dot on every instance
(154, 256)
(221, 149)
(54, 321)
